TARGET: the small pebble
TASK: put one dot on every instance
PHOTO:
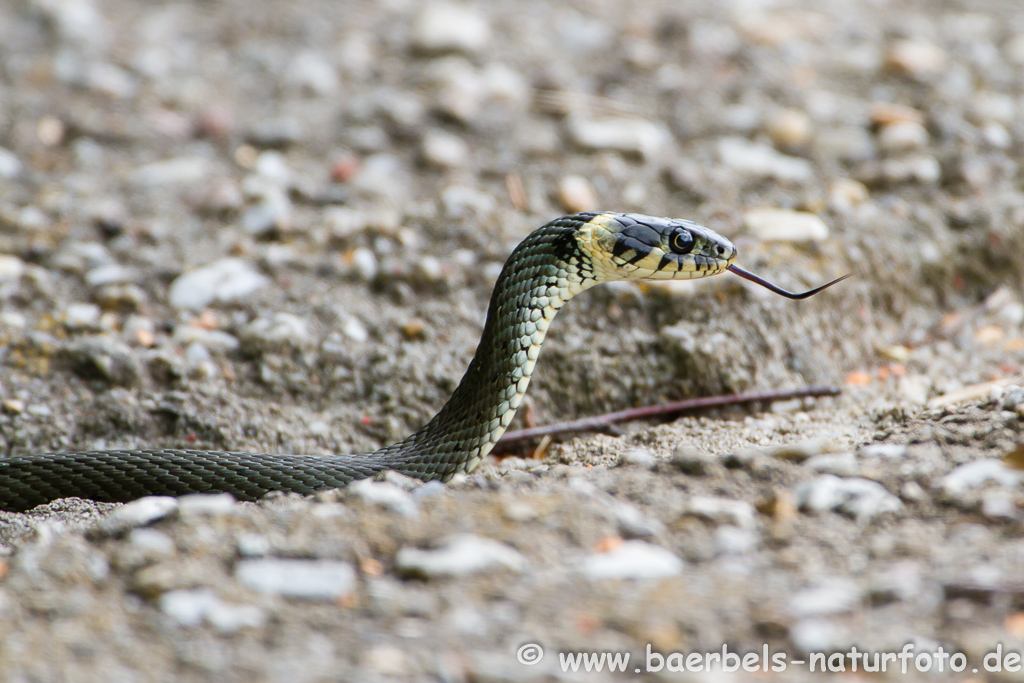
(82, 317)
(884, 450)
(11, 268)
(179, 171)
(839, 464)
(721, 510)
(138, 513)
(631, 560)
(731, 540)
(226, 280)
(575, 193)
(307, 579)
(10, 165)
(276, 331)
(918, 58)
(354, 329)
(637, 457)
(630, 136)
(789, 128)
(444, 150)
(802, 450)
(862, 499)
(758, 160)
(461, 555)
(784, 225)
(632, 523)
(692, 460)
(978, 473)
(834, 597)
(386, 495)
(1000, 506)
(902, 137)
(311, 73)
(211, 504)
(448, 27)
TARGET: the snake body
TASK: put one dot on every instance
(553, 264)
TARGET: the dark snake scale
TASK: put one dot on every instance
(553, 264)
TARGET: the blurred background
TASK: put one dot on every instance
(275, 226)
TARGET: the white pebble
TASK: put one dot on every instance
(576, 194)
(632, 560)
(444, 150)
(784, 225)
(631, 136)
(386, 495)
(758, 160)
(225, 280)
(444, 27)
(309, 579)
(903, 136)
(461, 555)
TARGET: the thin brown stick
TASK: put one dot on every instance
(601, 422)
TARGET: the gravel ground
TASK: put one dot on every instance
(274, 226)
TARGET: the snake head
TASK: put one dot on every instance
(631, 246)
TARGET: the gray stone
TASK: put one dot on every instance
(692, 460)
(839, 464)
(277, 133)
(109, 274)
(138, 513)
(632, 560)
(862, 499)
(919, 168)
(761, 161)
(1013, 396)
(212, 340)
(1000, 506)
(386, 495)
(834, 597)
(187, 607)
(10, 164)
(151, 541)
(225, 280)
(444, 150)
(643, 138)
(212, 504)
(637, 457)
(310, 72)
(885, 451)
(276, 331)
(105, 358)
(308, 579)
(11, 268)
(731, 540)
(82, 317)
(447, 27)
(721, 510)
(461, 555)
(179, 171)
(979, 473)
(272, 213)
(192, 607)
(633, 523)
(802, 450)
(784, 225)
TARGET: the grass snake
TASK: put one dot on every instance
(553, 264)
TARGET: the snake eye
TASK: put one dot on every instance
(681, 241)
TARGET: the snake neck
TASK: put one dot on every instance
(542, 274)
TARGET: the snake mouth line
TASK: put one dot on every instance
(778, 290)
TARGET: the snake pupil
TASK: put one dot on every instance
(682, 241)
